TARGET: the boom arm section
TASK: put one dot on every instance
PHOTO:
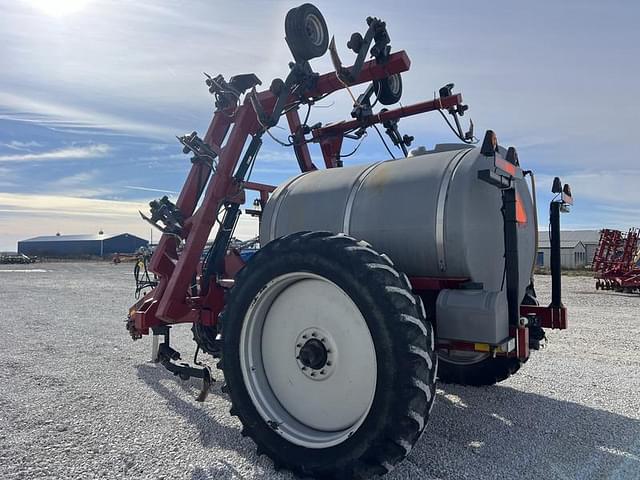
(217, 181)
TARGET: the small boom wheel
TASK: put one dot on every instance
(306, 32)
(328, 357)
(389, 89)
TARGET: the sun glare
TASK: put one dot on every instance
(59, 8)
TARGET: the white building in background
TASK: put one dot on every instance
(589, 238)
(572, 254)
(576, 250)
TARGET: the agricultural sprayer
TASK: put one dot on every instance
(371, 280)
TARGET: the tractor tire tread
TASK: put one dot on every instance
(487, 372)
(384, 440)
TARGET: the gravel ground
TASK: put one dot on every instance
(79, 399)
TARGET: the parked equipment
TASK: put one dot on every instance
(16, 258)
(330, 347)
(616, 261)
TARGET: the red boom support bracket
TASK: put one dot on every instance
(172, 301)
(549, 317)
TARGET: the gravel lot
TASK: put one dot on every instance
(79, 399)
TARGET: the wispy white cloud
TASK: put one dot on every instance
(79, 185)
(601, 199)
(69, 153)
(147, 189)
(67, 205)
(159, 147)
(16, 145)
(54, 115)
(80, 178)
(607, 188)
(58, 9)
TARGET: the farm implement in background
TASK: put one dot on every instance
(616, 261)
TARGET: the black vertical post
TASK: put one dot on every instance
(556, 281)
(511, 254)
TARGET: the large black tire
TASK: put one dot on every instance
(488, 371)
(306, 32)
(404, 354)
(205, 337)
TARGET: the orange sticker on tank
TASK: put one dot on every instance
(508, 167)
(521, 213)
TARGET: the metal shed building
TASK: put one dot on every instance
(80, 245)
(572, 254)
(589, 238)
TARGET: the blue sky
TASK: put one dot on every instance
(92, 93)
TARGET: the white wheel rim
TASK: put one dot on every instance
(394, 83)
(313, 27)
(314, 411)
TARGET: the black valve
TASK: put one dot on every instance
(166, 212)
(355, 42)
(243, 82)
(201, 151)
(381, 48)
(446, 91)
(402, 141)
(277, 86)
(228, 93)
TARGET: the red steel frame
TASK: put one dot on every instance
(609, 244)
(171, 301)
(614, 261)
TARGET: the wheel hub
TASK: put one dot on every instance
(316, 353)
(313, 354)
(313, 29)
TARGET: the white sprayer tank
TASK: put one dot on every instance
(430, 213)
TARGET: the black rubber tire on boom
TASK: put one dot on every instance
(389, 89)
(306, 32)
(403, 343)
